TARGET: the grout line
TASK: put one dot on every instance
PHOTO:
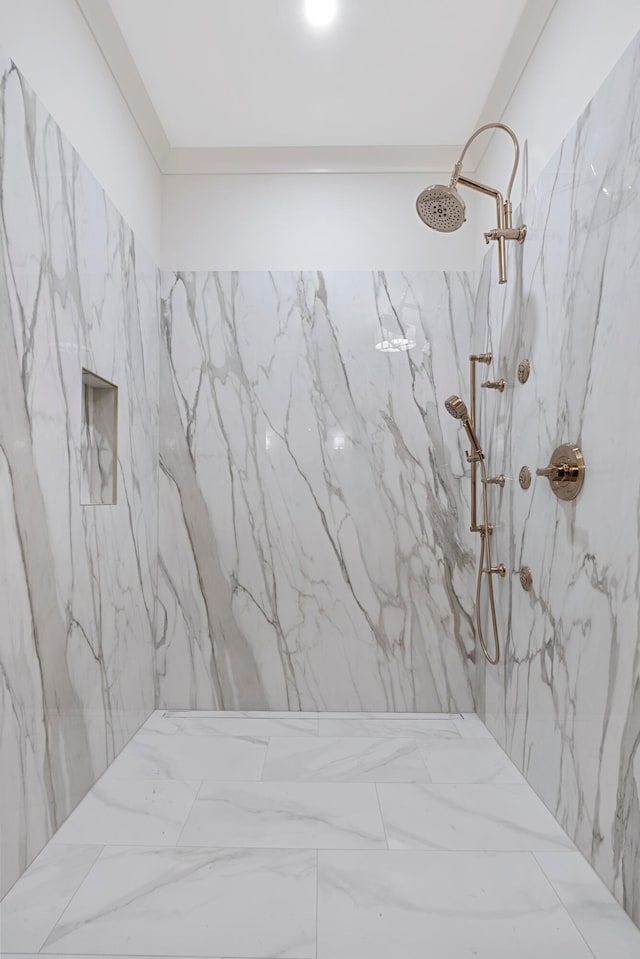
(558, 897)
(75, 893)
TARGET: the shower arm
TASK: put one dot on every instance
(504, 210)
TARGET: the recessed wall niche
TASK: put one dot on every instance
(99, 441)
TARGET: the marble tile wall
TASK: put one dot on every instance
(77, 584)
(313, 552)
(565, 702)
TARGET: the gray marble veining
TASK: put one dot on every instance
(77, 584)
(312, 554)
(565, 702)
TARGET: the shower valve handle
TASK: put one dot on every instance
(565, 472)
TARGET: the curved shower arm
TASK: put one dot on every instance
(457, 170)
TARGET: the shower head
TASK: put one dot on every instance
(441, 208)
(457, 408)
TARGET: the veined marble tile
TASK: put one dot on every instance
(418, 729)
(283, 433)
(249, 726)
(466, 817)
(236, 714)
(280, 815)
(193, 902)
(130, 812)
(607, 929)
(469, 761)
(471, 726)
(32, 907)
(388, 716)
(150, 756)
(77, 584)
(344, 760)
(565, 701)
(374, 905)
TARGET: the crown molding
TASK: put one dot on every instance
(282, 160)
(195, 161)
(107, 34)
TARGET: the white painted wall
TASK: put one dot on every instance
(369, 221)
(53, 47)
(306, 222)
(581, 44)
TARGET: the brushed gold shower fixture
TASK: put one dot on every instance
(524, 369)
(524, 477)
(494, 385)
(443, 209)
(565, 472)
(485, 359)
(457, 408)
(526, 579)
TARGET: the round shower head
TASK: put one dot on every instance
(456, 407)
(441, 208)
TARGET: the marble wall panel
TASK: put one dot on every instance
(312, 544)
(565, 701)
(77, 584)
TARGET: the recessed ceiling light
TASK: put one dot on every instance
(320, 12)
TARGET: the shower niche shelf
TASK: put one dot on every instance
(99, 441)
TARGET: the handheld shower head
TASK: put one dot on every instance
(457, 408)
(441, 208)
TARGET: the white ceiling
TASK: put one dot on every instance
(229, 78)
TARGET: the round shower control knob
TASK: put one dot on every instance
(565, 472)
(524, 477)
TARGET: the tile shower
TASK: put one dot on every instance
(290, 534)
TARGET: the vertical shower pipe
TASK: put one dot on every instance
(473, 359)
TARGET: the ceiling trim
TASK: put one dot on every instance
(107, 34)
(246, 160)
(281, 160)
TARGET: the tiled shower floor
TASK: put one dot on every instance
(341, 836)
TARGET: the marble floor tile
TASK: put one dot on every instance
(344, 760)
(412, 905)
(30, 910)
(418, 729)
(605, 926)
(284, 815)
(130, 812)
(468, 817)
(390, 717)
(471, 726)
(193, 902)
(242, 726)
(468, 761)
(235, 714)
(150, 756)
